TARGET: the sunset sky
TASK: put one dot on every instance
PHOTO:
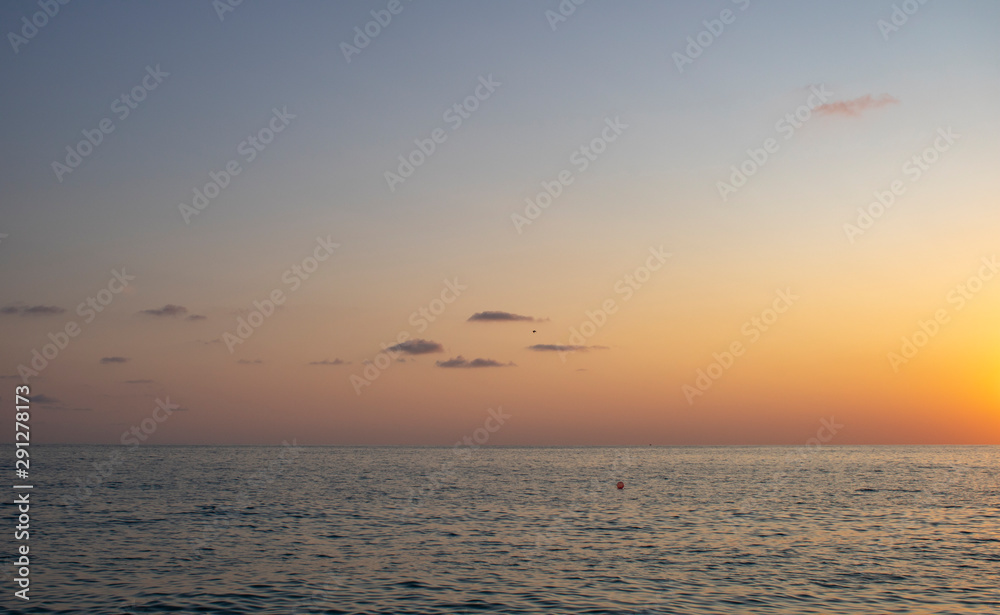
(366, 178)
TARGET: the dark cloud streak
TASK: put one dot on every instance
(167, 310)
(564, 348)
(855, 107)
(499, 316)
(416, 347)
(32, 310)
(460, 361)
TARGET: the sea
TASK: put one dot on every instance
(293, 530)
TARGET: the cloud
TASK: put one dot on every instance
(106, 360)
(42, 310)
(461, 362)
(562, 348)
(138, 381)
(417, 347)
(855, 107)
(32, 310)
(497, 316)
(167, 310)
(51, 403)
(328, 362)
(249, 362)
(195, 317)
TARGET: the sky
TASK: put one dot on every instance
(525, 223)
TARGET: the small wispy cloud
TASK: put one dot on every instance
(168, 310)
(459, 361)
(249, 362)
(499, 316)
(417, 347)
(138, 381)
(856, 106)
(53, 404)
(564, 348)
(107, 360)
(328, 362)
(196, 317)
(31, 310)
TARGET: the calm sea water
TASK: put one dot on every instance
(426, 530)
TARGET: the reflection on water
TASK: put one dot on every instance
(420, 530)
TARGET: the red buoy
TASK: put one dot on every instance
(621, 485)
